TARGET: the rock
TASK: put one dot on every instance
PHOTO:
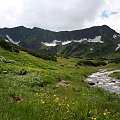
(91, 83)
(113, 81)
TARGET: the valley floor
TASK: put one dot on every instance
(35, 89)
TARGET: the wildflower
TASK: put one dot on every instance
(36, 93)
(105, 113)
(93, 118)
(43, 102)
(54, 95)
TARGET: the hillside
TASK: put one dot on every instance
(32, 88)
(32, 38)
(98, 41)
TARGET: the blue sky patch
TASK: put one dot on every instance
(107, 14)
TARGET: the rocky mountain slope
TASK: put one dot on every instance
(90, 42)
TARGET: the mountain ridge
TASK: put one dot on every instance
(33, 37)
(95, 40)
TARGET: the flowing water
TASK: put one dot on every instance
(102, 80)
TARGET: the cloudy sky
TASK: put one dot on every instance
(60, 14)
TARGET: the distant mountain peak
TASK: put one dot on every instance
(33, 38)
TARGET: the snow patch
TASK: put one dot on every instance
(56, 42)
(82, 40)
(117, 47)
(66, 42)
(96, 39)
(114, 36)
(11, 40)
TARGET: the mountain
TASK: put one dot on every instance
(94, 41)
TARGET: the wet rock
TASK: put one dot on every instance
(91, 83)
(113, 81)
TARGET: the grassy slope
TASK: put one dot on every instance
(75, 102)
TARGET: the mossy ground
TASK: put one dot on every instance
(41, 97)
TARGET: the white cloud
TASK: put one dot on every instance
(58, 14)
(112, 20)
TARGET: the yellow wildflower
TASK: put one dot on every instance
(93, 118)
(36, 93)
(43, 102)
(104, 113)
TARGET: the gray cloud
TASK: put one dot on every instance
(55, 14)
(60, 14)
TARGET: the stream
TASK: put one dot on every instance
(102, 80)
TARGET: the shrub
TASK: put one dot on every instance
(91, 63)
(116, 60)
(44, 54)
(39, 84)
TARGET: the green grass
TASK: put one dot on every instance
(43, 98)
(115, 75)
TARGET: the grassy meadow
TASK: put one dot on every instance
(35, 89)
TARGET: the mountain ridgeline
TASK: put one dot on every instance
(83, 42)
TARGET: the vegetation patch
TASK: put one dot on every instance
(2, 59)
(91, 63)
(116, 61)
(34, 94)
(22, 72)
(115, 75)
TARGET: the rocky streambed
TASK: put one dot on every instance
(101, 79)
